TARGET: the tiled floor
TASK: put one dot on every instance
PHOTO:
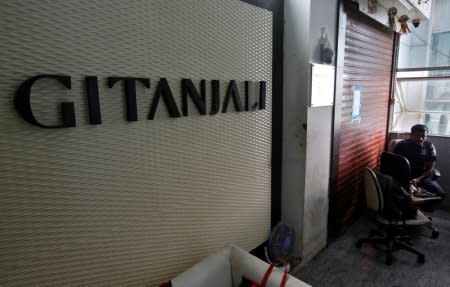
(342, 264)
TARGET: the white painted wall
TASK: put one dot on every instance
(295, 92)
(306, 131)
(317, 174)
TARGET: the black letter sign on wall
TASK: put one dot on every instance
(163, 90)
(187, 88)
(23, 105)
(232, 91)
(130, 93)
(249, 105)
(215, 103)
(262, 95)
(22, 101)
(95, 117)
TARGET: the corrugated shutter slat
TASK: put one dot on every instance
(368, 64)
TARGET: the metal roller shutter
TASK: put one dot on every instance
(367, 63)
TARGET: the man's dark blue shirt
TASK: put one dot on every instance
(418, 155)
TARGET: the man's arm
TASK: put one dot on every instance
(430, 166)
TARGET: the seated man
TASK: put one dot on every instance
(421, 155)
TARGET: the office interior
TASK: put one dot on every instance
(141, 136)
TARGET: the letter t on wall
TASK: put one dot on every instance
(130, 93)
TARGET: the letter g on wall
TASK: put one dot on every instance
(22, 102)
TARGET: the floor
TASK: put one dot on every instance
(342, 264)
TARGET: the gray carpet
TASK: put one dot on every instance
(342, 264)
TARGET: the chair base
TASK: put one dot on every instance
(392, 243)
(434, 231)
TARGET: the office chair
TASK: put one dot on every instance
(398, 167)
(393, 236)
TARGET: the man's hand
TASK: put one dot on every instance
(414, 181)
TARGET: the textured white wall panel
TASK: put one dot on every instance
(129, 203)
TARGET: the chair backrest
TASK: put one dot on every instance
(396, 166)
(372, 190)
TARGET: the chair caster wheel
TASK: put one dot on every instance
(358, 244)
(435, 234)
(421, 259)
